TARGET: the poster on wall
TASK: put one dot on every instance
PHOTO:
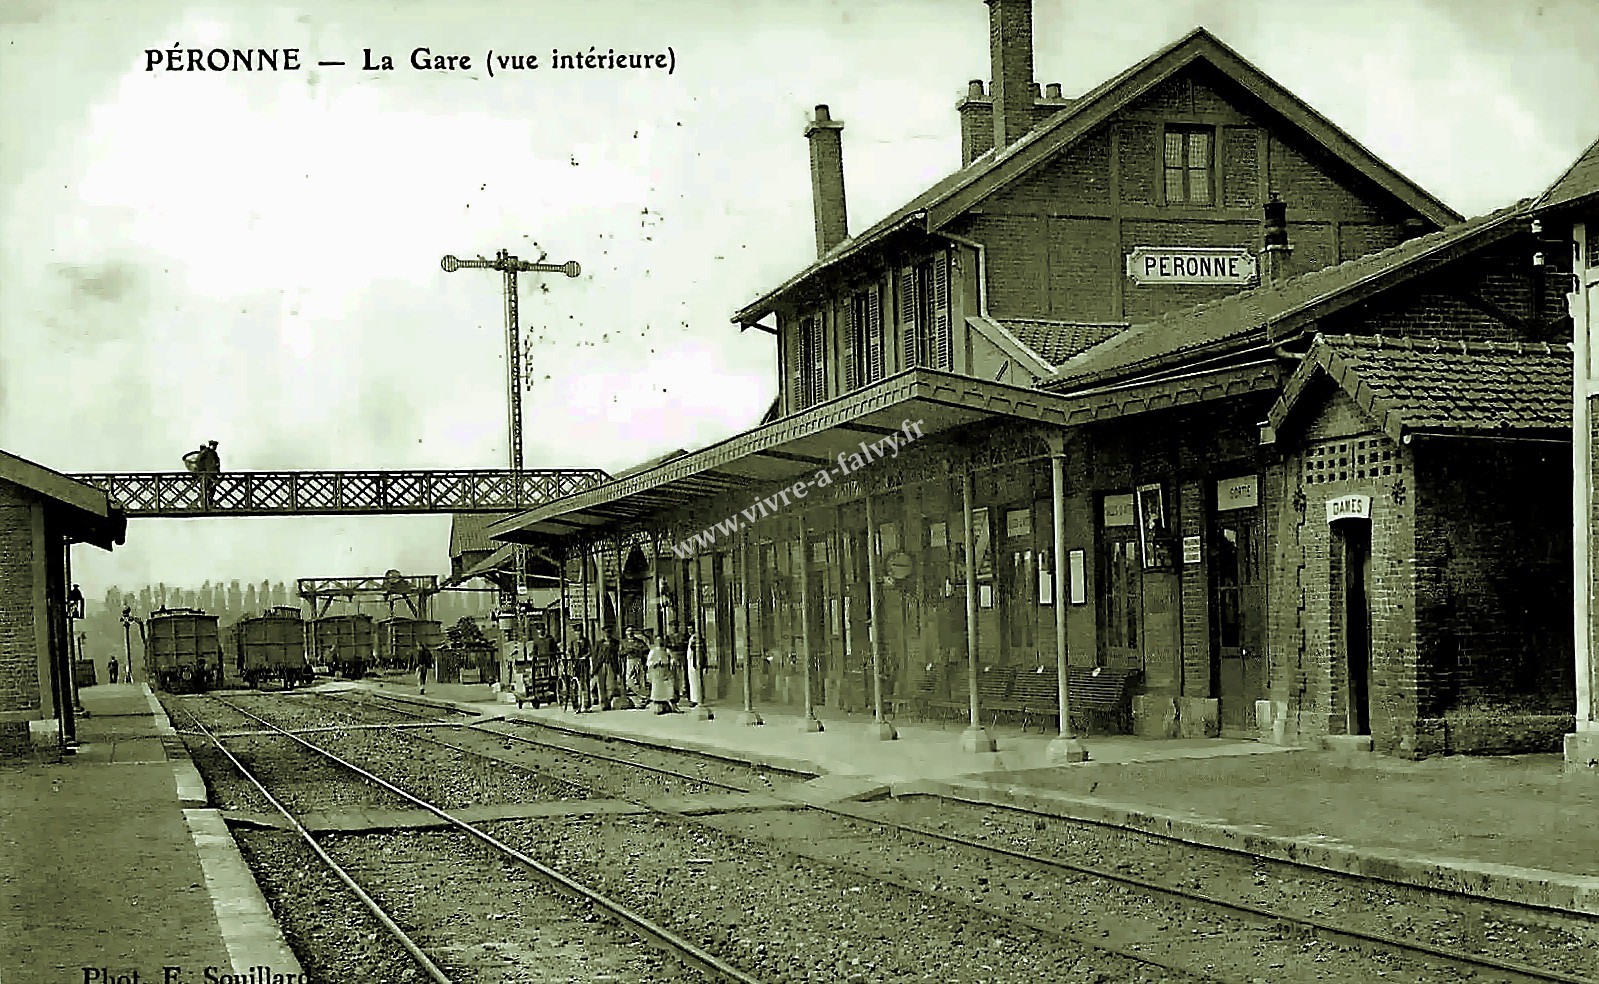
(981, 537)
(1152, 525)
(1078, 577)
(938, 535)
(1046, 578)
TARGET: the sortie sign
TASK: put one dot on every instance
(1191, 265)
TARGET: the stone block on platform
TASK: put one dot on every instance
(1154, 716)
(1198, 717)
(1582, 752)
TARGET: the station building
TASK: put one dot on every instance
(42, 513)
(1172, 389)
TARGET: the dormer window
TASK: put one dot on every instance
(1190, 165)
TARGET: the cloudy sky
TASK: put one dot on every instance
(254, 258)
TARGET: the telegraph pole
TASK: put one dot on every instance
(509, 266)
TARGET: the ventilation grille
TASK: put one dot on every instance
(1352, 460)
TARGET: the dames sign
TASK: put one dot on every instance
(1191, 265)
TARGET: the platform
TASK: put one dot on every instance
(110, 861)
(1516, 828)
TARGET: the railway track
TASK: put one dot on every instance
(1462, 958)
(708, 966)
(994, 927)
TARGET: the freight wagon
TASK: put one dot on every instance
(344, 643)
(399, 638)
(270, 647)
(183, 650)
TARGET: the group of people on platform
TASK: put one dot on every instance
(610, 672)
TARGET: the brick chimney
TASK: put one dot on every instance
(1010, 48)
(976, 111)
(827, 179)
(977, 122)
(1274, 242)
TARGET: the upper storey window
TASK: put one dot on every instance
(1190, 165)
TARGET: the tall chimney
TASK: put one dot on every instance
(1010, 48)
(977, 122)
(827, 179)
(1274, 242)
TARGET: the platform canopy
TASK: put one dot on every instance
(88, 515)
(766, 458)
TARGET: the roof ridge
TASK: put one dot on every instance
(1436, 345)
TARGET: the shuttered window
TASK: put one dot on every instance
(863, 338)
(925, 329)
(809, 378)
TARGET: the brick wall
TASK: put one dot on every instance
(1492, 296)
(1340, 454)
(1056, 239)
(19, 589)
(1493, 588)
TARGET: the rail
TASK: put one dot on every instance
(1330, 928)
(334, 493)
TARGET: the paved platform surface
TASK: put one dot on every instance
(109, 861)
(1519, 828)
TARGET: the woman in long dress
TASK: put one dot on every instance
(695, 661)
(663, 682)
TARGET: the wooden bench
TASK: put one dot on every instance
(1037, 692)
(1100, 692)
(993, 691)
(1096, 694)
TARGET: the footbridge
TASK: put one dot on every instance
(338, 493)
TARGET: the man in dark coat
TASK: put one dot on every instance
(424, 662)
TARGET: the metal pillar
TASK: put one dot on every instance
(700, 711)
(749, 716)
(884, 730)
(1065, 748)
(974, 739)
(623, 699)
(808, 722)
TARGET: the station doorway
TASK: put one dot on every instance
(1353, 538)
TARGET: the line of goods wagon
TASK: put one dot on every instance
(183, 650)
(270, 646)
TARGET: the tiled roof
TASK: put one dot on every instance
(1094, 107)
(1430, 385)
(1057, 341)
(467, 532)
(1246, 316)
(1581, 181)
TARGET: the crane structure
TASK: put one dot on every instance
(509, 266)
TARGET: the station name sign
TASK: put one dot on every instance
(1191, 265)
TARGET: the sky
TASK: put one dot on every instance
(253, 258)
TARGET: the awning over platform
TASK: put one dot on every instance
(798, 445)
(88, 515)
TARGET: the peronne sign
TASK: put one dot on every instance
(1191, 265)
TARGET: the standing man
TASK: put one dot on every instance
(111, 669)
(543, 656)
(633, 652)
(424, 662)
(577, 672)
